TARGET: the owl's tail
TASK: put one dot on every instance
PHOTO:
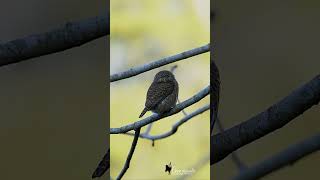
(143, 112)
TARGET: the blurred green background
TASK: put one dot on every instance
(53, 108)
(143, 31)
(264, 50)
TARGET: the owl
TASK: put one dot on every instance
(162, 95)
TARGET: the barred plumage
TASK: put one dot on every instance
(162, 95)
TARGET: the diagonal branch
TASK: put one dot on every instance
(155, 117)
(266, 122)
(175, 127)
(70, 35)
(284, 158)
(103, 166)
(158, 63)
(133, 146)
(234, 155)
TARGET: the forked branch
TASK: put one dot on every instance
(175, 127)
(155, 117)
(266, 122)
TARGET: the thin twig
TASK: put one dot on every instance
(265, 122)
(148, 129)
(282, 159)
(155, 117)
(133, 146)
(183, 111)
(158, 63)
(72, 34)
(175, 127)
(234, 156)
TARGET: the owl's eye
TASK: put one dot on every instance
(161, 80)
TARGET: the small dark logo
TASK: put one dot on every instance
(168, 168)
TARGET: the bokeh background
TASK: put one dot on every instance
(264, 50)
(143, 31)
(53, 108)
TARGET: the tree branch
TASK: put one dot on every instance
(284, 158)
(148, 128)
(266, 122)
(155, 117)
(133, 146)
(72, 34)
(158, 63)
(175, 127)
(234, 156)
(103, 166)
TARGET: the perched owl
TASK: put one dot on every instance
(162, 95)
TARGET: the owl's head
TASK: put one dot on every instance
(164, 76)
